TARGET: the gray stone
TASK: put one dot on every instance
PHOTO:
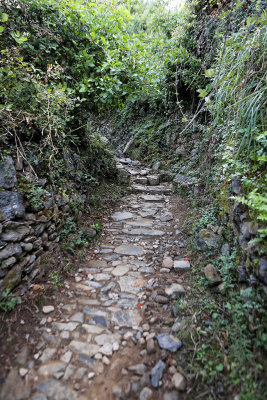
(130, 250)
(181, 150)
(157, 373)
(175, 290)
(169, 342)
(27, 247)
(120, 270)
(236, 185)
(207, 239)
(126, 318)
(138, 369)
(179, 381)
(181, 265)
(225, 250)
(69, 372)
(156, 166)
(16, 235)
(102, 277)
(64, 326)
(78, 317)
(108, 338)
(11, 205)
(212, 275)
(87, 361)
(144, 232)
(263, 269)
(8, 178)
(150, 346)
(130, 284)
(141, 180)
(161, 299)
(13, 278)
(48, 309)
(166, 217)
(56, 390)
(12, 249)
(167, 263)
(153, 180)
(47, 354)
(106, 349)
(96, 312)
(122, 215)
(153, 198)
(123, 176)
(92, 329)
(171, 396)
(66, 357)
(84, 348)
(183, 180)
(52, 368)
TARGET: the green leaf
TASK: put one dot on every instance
(1, 29)
(210, 73)
(4, 17)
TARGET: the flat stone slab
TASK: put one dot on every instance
(56, 390)
(181, 265)
(126, 318)
(64, 326)
(97, 264)
(108, 338)
(51, 368)
(92, 329)
(141, 223)
(122, 215)
(88, 349)
(143, 232)
(129, 250)
(102, 277)
(131, 284)
(120, 270)
(175, 290)
(95, 285)
(96, 312)
(169, 342)
(150, 197)
(151, 189)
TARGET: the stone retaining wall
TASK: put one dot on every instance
(26, 231)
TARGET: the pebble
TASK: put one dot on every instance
(179, 381)
(167, 263)
(138, 369)
(169, 342)
(161, 299)
(157, 373)
(23, 372)
(146, 394)
(91, 375)
(150, 346)
(48, 309)
(105, 360)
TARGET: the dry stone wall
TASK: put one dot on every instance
(25, 231)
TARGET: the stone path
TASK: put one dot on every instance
(112, 339)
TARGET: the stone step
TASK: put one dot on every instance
(151, 189)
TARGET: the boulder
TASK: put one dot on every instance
(8, 178)
(212, 275)
(13, 278)
(207, 239)
(11, 205)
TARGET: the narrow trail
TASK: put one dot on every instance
(110, 337)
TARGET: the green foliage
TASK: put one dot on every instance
(8, 301)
